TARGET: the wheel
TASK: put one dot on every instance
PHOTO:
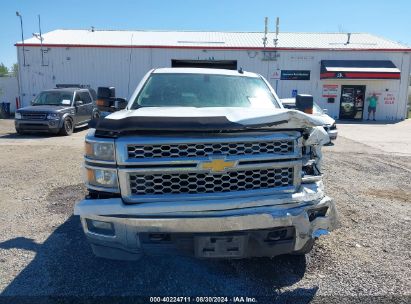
(306, 249)
(96, 115)
(20, 132)
(67, 128)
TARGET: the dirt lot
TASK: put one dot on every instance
(43, 251)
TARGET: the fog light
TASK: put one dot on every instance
(313, 214)
(277, 235)
(99, 227)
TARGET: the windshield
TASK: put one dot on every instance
(52, 98)
(204, 90)
(317, 109)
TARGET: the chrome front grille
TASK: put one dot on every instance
(33, 116)
(209, 149)
(194, 182)
(208, 166)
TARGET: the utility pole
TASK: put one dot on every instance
(22, 37)
(265, 31)
(41, 43)
(277, 30)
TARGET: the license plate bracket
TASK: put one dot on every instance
(221, 246)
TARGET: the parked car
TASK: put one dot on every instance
(204, 162)
(57, 110)
(329, 123)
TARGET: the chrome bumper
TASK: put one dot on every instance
(129, 227)
(332, 134)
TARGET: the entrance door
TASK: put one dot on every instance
(352, 102)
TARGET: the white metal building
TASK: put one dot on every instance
(340, 70)
(9, 91)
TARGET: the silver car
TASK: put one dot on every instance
(329, 123)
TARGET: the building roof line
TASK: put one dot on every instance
(212, 47)
(204, 31)
(201, 39)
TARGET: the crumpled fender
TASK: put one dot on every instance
(317, 138)
(285, 119)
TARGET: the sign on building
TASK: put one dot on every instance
(389, 98)
(295, 75)
(276, 75)
(330, 90)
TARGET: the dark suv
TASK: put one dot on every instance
(57, 111)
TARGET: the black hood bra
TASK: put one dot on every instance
(113, 127)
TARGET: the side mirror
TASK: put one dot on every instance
(120, 104)
(106, 92)
(304, 103)
(79, 102)
(107, 100)
(325, 111)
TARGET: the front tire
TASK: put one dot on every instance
(306, 249)
(67, 128)
(96, 115)
(20, 132)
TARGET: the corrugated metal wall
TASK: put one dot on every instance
(9, 91)
(124, 67)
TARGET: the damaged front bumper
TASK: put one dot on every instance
(265, 230)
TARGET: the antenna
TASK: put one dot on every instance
(265, 31)
(348, 38)
(277, 30)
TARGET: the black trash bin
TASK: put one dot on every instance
(5, 109)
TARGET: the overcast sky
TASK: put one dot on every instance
(390, 19)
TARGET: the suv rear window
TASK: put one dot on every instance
(204, 90)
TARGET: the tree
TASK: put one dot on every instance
(15, 69)
(3, 70)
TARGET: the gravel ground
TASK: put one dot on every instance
(43, 251)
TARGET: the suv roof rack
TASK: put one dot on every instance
(66, 85)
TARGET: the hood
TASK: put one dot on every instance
(45, 108)
(203, 119)
(326, 119)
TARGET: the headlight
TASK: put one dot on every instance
(53, 116)
(17, 115)
(100, 150)
(105, 178)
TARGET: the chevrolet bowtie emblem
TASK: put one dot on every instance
(217, 165)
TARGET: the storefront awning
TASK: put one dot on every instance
(359, 69)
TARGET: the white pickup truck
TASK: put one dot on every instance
(204, 162)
